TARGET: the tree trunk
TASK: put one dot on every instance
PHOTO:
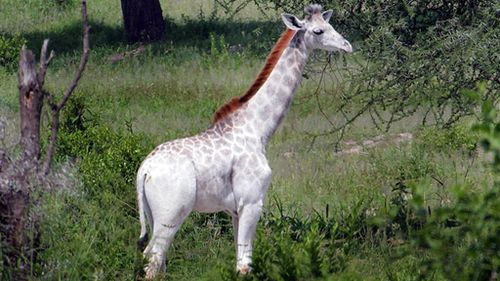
(15, 180)
(13, 207)
(30, 101)
(143, 20)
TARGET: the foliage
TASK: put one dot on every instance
(465, 234)
(107, 159)
(417, 56)
(294, 246)
(412, 17)
(291, 245)
(489, 129)
(456, 137)
(218, 48)
(462, 236)
(86, 220)
(10, 47)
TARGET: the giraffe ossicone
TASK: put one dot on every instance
(225, 168)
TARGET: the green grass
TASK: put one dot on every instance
(171, 90)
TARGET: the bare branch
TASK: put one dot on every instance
(44, 62)
(56, 109)
(83, 61)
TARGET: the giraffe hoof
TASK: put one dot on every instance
(150, 275)
(244, 270)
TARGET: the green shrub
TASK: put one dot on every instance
(294, 246)
(10, 48)
(91, 233)
(465, 234)
(455, 138)
(218, 48)
(107, 160)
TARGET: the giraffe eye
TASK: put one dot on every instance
(318, 31)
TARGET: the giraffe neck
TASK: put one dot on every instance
(264, 112)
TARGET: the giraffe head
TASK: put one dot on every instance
(318, 33)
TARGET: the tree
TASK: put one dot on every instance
(417, 59)
(143, 20)
(21, 177)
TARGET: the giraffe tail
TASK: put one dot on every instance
(144, 211)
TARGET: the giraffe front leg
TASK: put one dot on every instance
(247, 224)
(251, 179)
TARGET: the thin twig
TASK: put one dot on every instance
(471, 163)
(318, 102)
(56, 109)
(44, 63)
(440, 182)
(83, 60)
(349, 121)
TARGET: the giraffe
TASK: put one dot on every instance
(225, 168)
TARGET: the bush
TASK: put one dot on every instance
(107, 160)
(10, 48)
(91, 233)
(465, 234)
(458, 137)
(294, 246)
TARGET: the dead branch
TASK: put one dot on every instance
(30, 106)
(56, 108)
(83, 60)
(44, 62)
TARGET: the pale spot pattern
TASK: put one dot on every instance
(225, 168)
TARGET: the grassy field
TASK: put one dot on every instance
(171, 90)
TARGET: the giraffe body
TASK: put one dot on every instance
(225, 168)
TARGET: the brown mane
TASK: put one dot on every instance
(271, 61)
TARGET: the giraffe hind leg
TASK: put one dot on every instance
(163, 235)
(170, 201)
(156, 250)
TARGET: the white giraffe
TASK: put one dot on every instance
(225, 168)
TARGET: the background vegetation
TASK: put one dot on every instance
(377, 172)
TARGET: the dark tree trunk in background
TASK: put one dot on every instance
(143, 20)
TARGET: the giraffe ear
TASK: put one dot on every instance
(327, 15)
(292, 21)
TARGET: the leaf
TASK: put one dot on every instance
(487, 107)
(481, 128)
(473, 95)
